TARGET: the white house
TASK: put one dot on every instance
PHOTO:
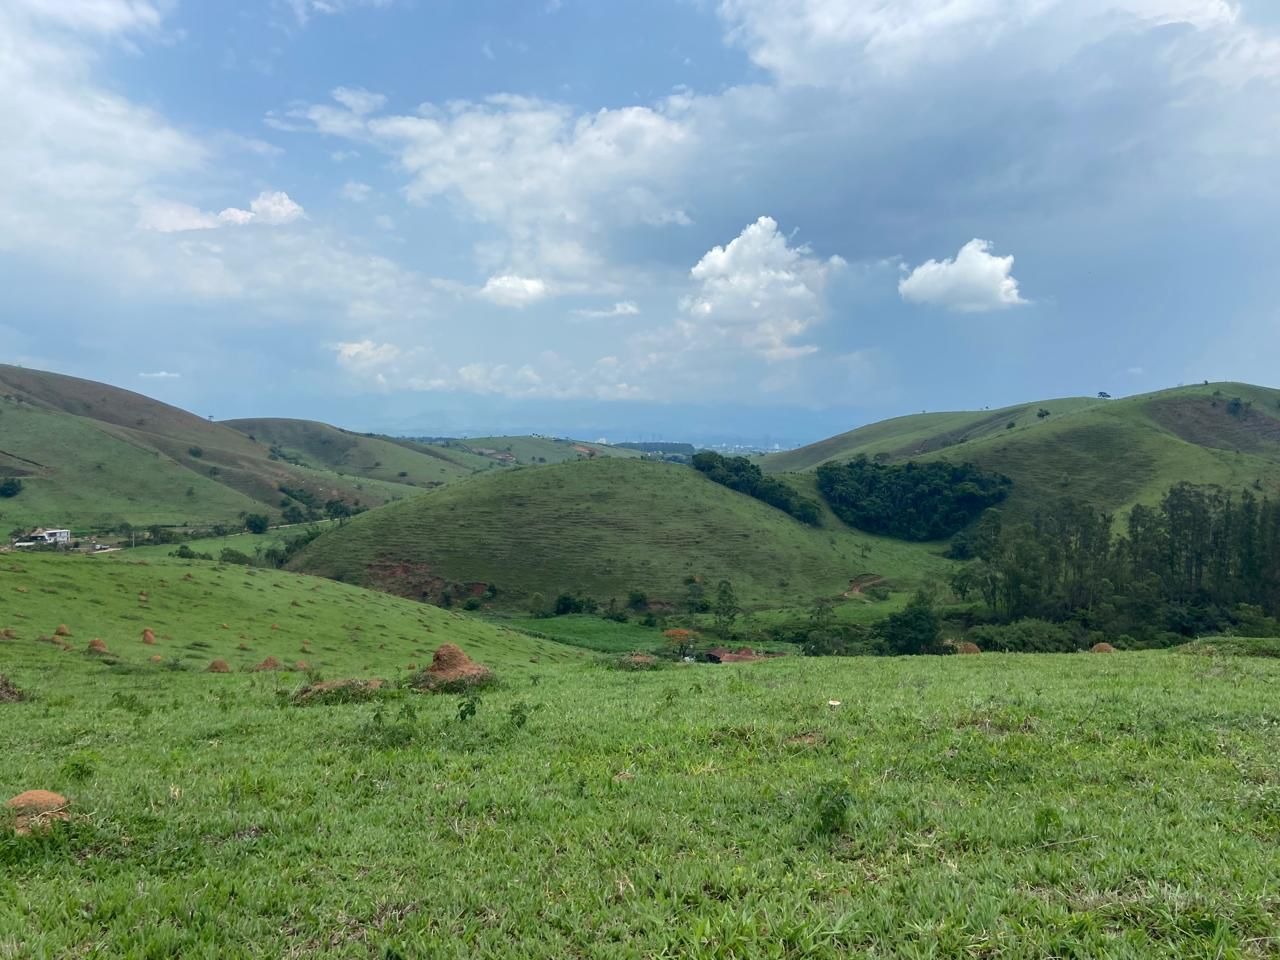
(41, 538)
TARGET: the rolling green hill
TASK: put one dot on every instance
(378, 458)
(604, 527)
(91, 455)
(200, 611)
(542, 450)
(1112, 453)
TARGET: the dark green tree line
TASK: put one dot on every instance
(910, 501)
(739, 473)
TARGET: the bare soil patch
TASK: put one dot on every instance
(218, 666)
(37, 810)
(452, 670)
(9, 692)
(271, 663)
(1102, 648)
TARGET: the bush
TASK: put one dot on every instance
(1028, 636)
(915, 630)
(10, 487)
(229, 555)
(256, 523)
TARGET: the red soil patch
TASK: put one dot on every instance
(96, 645)
(149, 637)
(1102, 648)
(9, 693)
(965, 646)
(271, 663)
(275, 626)
(156, 658)
(37, 810)
(188, 577)
(725, 655)
(637, 661)
(8, 634)
(218, 666)
(862, 583)
(243, 646)
(62, 631)
(451, 669)
(302, 665)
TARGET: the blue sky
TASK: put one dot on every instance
(681, 218)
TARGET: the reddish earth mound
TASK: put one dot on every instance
(96, 645)
(37, 810)
(337, 691)
(62, 631)
(725, 655)
(149, 636)
(271, 663)
(9, 693)
(156, 658)
(637, 661)
(218, 666)
(302, 665)
(452, 670)
(8, 634)
(964, 646)
(1102, 648)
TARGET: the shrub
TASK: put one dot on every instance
(915, 630)
(10, 487)
(229, 555)
(1026, 636)
(256, 523)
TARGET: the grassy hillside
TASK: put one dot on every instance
(605, 527)
(542, 450)
(1018, 807)
(1113, 453)
(90, 455)
(200, 611)
(321, 445)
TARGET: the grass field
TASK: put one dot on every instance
(590, 633)
(606, 527)
(246, 543)
(1120, 806)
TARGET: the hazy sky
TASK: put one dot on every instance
(748, 217)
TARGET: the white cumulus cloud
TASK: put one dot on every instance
(274, 208)
(759, 291)
(161, 375)
(624, 308)
(509, 290)
(976, 281)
